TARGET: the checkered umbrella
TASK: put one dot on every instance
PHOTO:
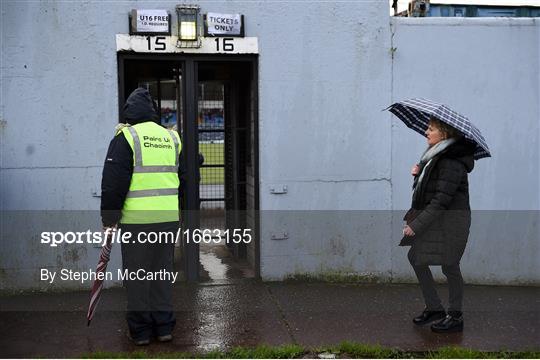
(95, 294)
(415, 113)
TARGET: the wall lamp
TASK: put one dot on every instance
(189, 26)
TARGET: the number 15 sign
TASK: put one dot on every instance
(167, 44)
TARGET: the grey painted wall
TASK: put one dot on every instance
(487, 69)
(322, 134)
(325, 73)
(59, 108)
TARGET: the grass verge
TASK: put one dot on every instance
(343, 350)
(213, 155)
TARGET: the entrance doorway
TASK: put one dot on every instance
(213, 103)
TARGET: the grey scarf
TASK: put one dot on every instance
(425, 161)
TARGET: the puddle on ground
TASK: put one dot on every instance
(217, 263)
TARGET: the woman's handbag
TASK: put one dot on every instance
(408, 218)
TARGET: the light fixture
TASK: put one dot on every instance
(188, 26)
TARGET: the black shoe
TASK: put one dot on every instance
(139, 342)
(450, 324)
(428, 316)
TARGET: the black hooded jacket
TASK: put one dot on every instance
(118, 166)
(440, 215)
(140, 107)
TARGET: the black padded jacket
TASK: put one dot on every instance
(441, 215)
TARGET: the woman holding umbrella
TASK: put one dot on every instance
(437, 225)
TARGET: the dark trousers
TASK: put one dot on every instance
(427, 284)
(149, 302)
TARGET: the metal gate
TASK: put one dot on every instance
(211, 127)
(212, 101)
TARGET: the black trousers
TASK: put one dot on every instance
(427, 284)
(149, 302)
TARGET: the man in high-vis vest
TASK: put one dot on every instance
(139, 195)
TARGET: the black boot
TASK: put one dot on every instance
(451, 324)
(428, 316)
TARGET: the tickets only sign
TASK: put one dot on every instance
(217, 24)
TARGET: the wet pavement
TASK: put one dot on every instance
(217, 264)
(248, 312)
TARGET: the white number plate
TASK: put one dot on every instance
(167, 44)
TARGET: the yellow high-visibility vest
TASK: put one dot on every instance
(153, 191)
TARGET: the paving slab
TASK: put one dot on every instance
(496, 318)
(247, 313)
(214, 317)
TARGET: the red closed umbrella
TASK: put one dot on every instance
(95, 294)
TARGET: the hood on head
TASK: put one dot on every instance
(463, 151)
(139, 107)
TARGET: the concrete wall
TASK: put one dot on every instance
(59, 108)
(60, 104)
(323, 136)
(325, 73)
(487, 69)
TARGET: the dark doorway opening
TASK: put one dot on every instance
(213, 103)
(225, 126)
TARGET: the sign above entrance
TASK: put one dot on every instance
(149, 22)
(216, 24)
(167, 44)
